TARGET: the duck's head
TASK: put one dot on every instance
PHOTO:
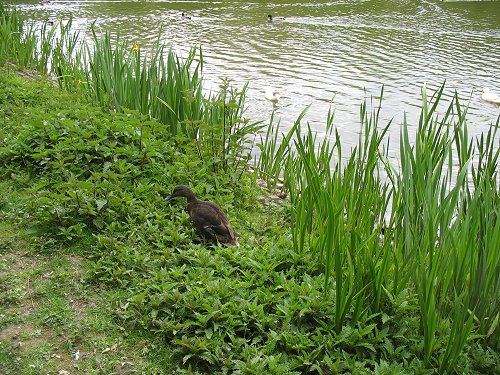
(181, 191)
(486, 90)
(269, 17)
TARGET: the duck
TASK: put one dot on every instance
(490, 97)
(272, 94)
(184, 15)
(270, 18)
(209, 220)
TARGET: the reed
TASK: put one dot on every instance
(339, 212)
(171, 91)
(34, 46)
(275, 151)
(120, 75)
(444, 231)
(428, 225)
(17, 43)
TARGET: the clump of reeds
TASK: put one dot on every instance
(118, 75)
(430, 225)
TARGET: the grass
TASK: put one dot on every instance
(51, 320)
(367, 267)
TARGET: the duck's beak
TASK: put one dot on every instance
(168, 198)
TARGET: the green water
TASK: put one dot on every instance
(340, 50)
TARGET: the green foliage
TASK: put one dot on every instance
(442, 208)
(118, 76)
(96, 168)
(254, 309)
(260, 307)
(367, 268)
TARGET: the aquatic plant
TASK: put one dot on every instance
(379, 230)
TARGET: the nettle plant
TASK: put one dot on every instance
(90, 164)
(97, 167)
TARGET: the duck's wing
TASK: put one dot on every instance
(491, 97)
(211, 221)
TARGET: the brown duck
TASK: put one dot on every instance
(208, 218)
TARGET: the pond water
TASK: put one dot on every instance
(324, 54)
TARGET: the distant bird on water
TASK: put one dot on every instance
(209, 220)
(272, 94)
(490, 97)
(184, 15)
(270, 18)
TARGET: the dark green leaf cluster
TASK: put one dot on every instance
(258, 309)
(95, 168)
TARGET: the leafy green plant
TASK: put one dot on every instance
(223, 138)
(121, 77)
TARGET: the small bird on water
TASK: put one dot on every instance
(270, 18)
(490, 97)
(209, 220)
(272, 94)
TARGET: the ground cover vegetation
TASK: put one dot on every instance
(367, 266)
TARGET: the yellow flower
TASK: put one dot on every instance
(135, 47)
